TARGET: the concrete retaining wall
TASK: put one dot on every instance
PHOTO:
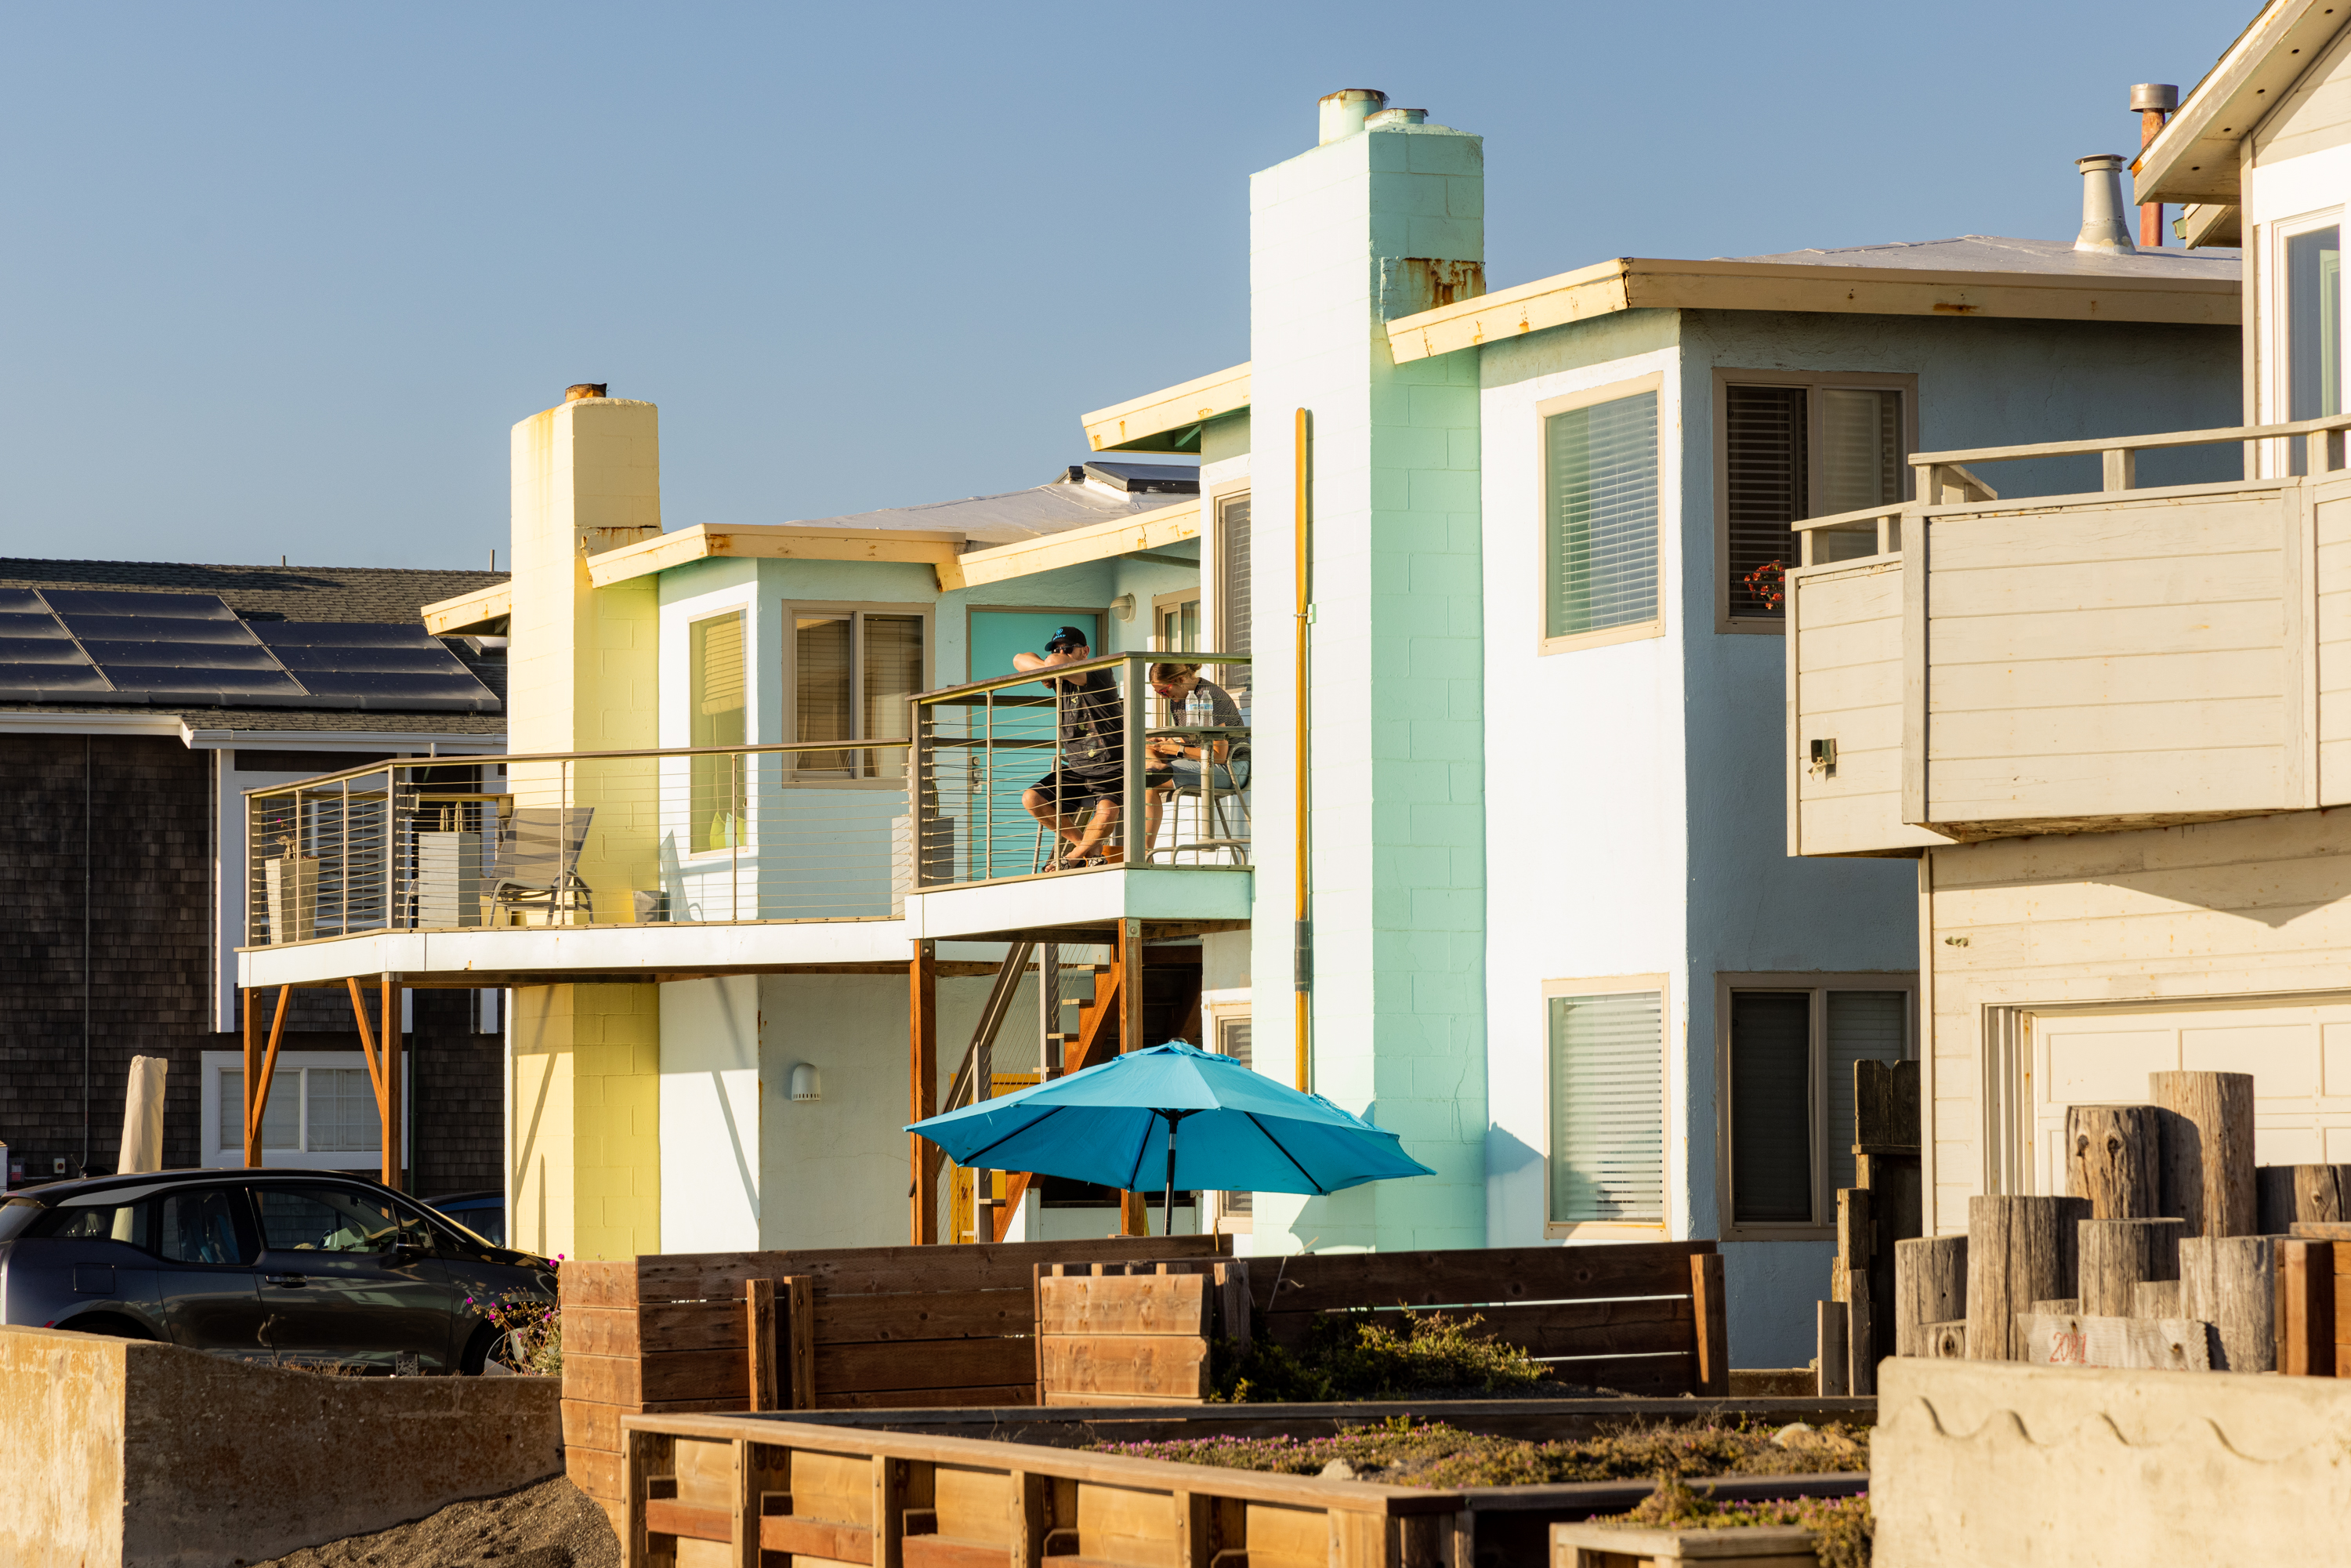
(148, 1456)
(1976, 1462)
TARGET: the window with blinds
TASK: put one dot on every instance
(1797, 451)
(1771, 1107)
(719, 716)
(854, 672)
(1607, 1151)
(1790, 1082)
(1233, 574)
(1862, 1026)
(1600, 524)
(1233, 1041)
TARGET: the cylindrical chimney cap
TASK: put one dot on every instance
(1388, 117)
(578, 390)
(2160, 96)
(2103, 229)
(1345, 112)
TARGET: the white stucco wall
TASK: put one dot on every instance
(1636, 814)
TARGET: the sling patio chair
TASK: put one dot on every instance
(538, 864)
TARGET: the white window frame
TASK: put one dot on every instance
(793, 609)
(1814, 382)
(1216, 624)
(1823, 1225)
(211, 1155)
(1163, 603)
(1568, 403)
(1214, 1017)
(1670, 1184)
(2276, 304)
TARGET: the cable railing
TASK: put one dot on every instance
(695, 834)
(1126, 761)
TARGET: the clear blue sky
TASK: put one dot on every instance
(278, 277)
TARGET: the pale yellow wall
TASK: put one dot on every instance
(583, 675)
(2258, 908)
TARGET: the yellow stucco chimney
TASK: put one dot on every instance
(583, 674)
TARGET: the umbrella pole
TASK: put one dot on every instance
(1167, 1200)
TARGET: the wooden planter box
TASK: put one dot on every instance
(1620, 1546)
(715, 1491)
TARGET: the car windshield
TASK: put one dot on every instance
(16, 1213)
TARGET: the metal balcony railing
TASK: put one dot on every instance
(710, 834)
(1107, 764)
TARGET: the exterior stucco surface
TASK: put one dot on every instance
(1637, 791)
(1975, 1462)
(127, 1455)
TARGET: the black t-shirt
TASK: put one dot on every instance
(1094, 725)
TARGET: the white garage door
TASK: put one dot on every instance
(2300, 1058)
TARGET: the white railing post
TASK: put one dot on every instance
(2120, 468)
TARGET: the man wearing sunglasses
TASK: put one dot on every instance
(1079, 800)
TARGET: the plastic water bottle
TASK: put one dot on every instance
(1200, 713)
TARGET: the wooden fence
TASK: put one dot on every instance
(876, 1327)
(1644, 1317)
(1139, 1333)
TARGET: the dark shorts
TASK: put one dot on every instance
(1066, 792)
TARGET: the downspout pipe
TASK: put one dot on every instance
(1303, 961)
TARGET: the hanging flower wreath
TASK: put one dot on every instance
(1768, 583)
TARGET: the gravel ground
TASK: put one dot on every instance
(548, 1524)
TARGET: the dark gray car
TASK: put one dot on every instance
(297, 1266)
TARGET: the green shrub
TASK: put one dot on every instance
(1843, 1529)
(1431, 1454)
(1365, 1355)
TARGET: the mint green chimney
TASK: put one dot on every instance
(1385, 218)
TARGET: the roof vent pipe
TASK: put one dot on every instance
(1388, 118)
(578, 390)
(1345, 112)
(2103, 228)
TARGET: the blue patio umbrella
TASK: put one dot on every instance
(1118, 1125)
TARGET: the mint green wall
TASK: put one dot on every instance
(1398, 851)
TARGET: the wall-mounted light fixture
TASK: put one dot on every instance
(803, 1081)
(1124, 607)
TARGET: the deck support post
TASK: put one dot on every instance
(395, 1129)
(1134, 1213)
(257, 1077)
(922, 1091)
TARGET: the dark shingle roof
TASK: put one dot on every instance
(291, 592)
(383, 595)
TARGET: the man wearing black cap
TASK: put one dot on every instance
(1079, 799)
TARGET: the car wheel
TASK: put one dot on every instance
(110, 1325)
(477, 1350)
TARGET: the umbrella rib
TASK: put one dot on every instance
(1285, 1154)
(1051, 1111)
(1140, 1150)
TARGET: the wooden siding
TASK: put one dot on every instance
(1844, 684)
(2127, 659)
(2332, 528)
(2254, 911)
(2316, 115)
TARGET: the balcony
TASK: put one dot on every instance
(700, 861)
(1106, 739)
(1965, 667)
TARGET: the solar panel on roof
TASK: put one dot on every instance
(123, 646)
(39, 662)
(376, 664)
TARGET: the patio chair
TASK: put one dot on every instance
(538, 864)
(1225, 808)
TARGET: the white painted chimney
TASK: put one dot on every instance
(2103, 229)
(1345, 112)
